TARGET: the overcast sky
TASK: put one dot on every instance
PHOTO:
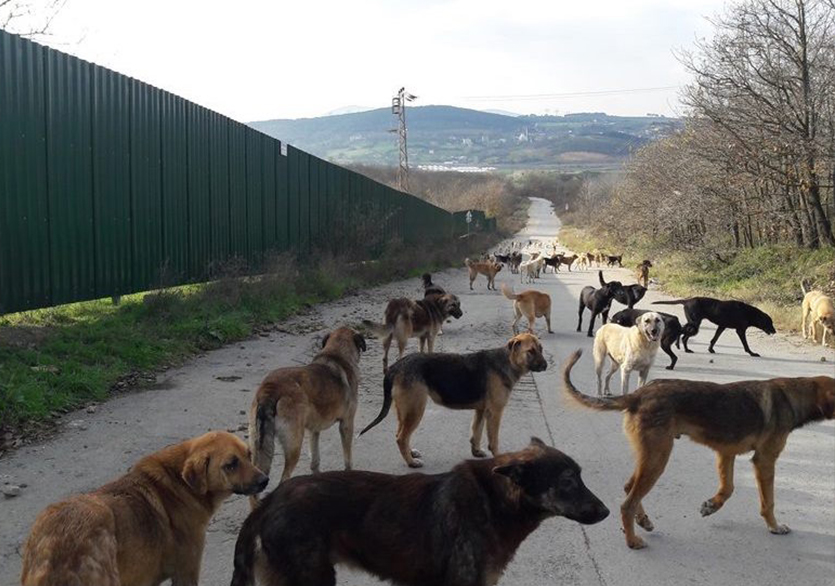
(259, 59)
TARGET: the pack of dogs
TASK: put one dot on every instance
(458, 528)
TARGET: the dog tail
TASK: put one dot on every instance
(244, 560)
(378, 329)
(388, 382)
(803, 286)
(427, 280)
(468, 262)
(671, 302)
(508, 292)
(597, 403)
(262, 431)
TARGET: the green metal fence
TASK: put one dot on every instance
(109, 186)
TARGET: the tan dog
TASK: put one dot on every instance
(297, 398)
(414, 319)
(731, 419)
(530, 270)
(642, 272)
(481, 381)
(147, 526)
(817, 308)
(629, 349)
(532, 304)
(488, 268)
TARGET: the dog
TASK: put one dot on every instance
(458, 528)
(146, 527)
(629, 348)
(554, 261)
(643, 272)
(632, 294)
(598, 301)
(530, 270)
(293, 399)
(611, 260)
(488, 268)
(725, 314)
(585, 260)
(671, 335)
(532, 304)
(430, 289)
(731, 419)
(421, 319)
(817, 308)
(568, 260)
(481, 381)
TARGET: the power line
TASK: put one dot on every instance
(572, 94)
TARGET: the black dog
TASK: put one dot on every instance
(735, 315)
(430, 288)
(598, 301)
(631, 295)
(611, 260)
(672, 330)
(554, 261)
(459, 528)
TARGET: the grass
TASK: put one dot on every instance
(768, 276)
(57, 359)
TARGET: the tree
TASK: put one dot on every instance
(29, 18)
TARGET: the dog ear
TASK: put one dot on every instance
(360, 342)
(513, 344)
(535, 441)
(196, 472)
(325, 339)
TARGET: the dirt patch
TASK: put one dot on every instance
(24, 336)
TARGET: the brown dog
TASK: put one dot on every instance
(414, 319)
(459, 528)
(147, 526)
(481, 381)
(817, 308)
(532, 304)
(731, 419)
(643, 272)
(313, 397)
(488, 268)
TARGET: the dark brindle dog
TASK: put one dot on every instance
(734, 315)
(554, 261)
(414, 319)
(672, 330)
(612, 259)
(481, 381)
(731, 419)
(460, 528)
(598, 301)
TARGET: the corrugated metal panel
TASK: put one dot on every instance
(237, 189)
(219, 181)
(304, 201)
(254, 196)
(146, 185)
(269, 166)
(313, 191)
(282, 213)
(293, 207)
(175, 207)
(69, 106)
(111, 183)
(199, 199)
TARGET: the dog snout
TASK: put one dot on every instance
(592, 510)
(539, 364)
(259, 483)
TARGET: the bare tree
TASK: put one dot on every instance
(29, 18)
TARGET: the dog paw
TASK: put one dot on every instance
(755, 355)
(708, 508)
(415, 453)
(711, 350)
(479, 453)
(668, 367)
(415, 463)
(644, 522)
(780, 529)
(689, 352)
(636, 543)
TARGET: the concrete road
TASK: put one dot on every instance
(731, 547)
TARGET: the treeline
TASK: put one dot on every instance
(755, 163)
(504, 196)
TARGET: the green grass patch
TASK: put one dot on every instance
(53, 360)
(767, 276)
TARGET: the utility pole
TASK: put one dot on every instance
(398, 108)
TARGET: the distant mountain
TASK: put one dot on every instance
(456, 137)
(349, 110)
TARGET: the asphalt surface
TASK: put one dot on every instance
(731, 547)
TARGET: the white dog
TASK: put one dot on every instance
(530, 269)
(629, 348)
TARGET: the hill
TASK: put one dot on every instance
(453, 137)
